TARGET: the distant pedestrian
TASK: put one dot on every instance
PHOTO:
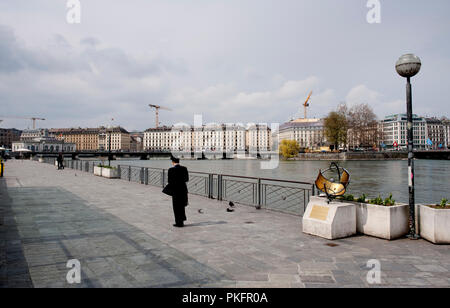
(60, 161)
(176, 187)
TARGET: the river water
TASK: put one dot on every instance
(370, 177)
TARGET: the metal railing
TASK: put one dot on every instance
(284, 196)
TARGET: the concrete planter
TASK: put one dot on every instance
(386, 222)
(110, 173)
(98, 170)
(435, 224)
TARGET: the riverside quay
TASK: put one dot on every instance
(69, 228)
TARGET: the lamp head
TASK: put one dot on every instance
(408, 65)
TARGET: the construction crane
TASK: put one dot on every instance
(157, 112)
(306, 103)
(33, 119)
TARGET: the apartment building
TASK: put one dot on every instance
(86, 139)
(309, 133)
(435, 131)
(114, 139)
(259, 138)
(394, 131)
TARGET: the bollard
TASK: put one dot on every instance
(2, 166)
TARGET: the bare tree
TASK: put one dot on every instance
(364, 130)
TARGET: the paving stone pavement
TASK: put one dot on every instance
(122, 234)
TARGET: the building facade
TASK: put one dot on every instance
(309, 133)
(212, 137)
(394, 132)
(137, 141)
(50, 145)
(86, 139)
(436, 134)
(114, 139)
(8, 136)
(157, 139)
(447, 133)
(259, 138)
(32, 134)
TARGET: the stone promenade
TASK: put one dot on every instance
(122, 234)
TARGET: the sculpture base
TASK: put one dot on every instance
(331, 221)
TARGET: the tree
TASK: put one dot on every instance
(289, 148)
(363, 126)
(335, 128)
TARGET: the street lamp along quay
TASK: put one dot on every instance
(408, 66)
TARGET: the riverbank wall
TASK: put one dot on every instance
(352, 156)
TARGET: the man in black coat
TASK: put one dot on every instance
(60, 161)
(177, 178)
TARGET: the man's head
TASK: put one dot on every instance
(174, 160)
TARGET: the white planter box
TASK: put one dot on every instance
(332, 220)
(110, 173)
(98, 170)
(387, 222)
(435, 224)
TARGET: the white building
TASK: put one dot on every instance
(309, 133)
(32, 134)
(259, 138)
(394, 130)
(157, 139)
(44, 145)
(211, 138)
(180, 137)
(447, 133)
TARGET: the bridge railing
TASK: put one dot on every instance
(285, 196)
(272, 194)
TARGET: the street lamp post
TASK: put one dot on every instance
(408, 66)
(109, 149)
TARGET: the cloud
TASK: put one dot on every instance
(79, 85)
(227, 104)
(361, 94)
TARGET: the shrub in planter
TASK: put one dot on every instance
(435, 222)
(381, 218)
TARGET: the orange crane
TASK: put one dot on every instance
(157, 107)
(33, 119)
(306, 103)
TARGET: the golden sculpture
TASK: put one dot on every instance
(331, 187)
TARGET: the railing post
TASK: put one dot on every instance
(129, 173)
(163, 178)
(259, 194)
(141, 175)
(119, 171)
(146, 176)
(219, 187)
(313, 190)
(210, 186)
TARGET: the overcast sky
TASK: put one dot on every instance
(231, 61)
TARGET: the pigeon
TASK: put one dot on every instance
(230, 210)
(231, 204)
